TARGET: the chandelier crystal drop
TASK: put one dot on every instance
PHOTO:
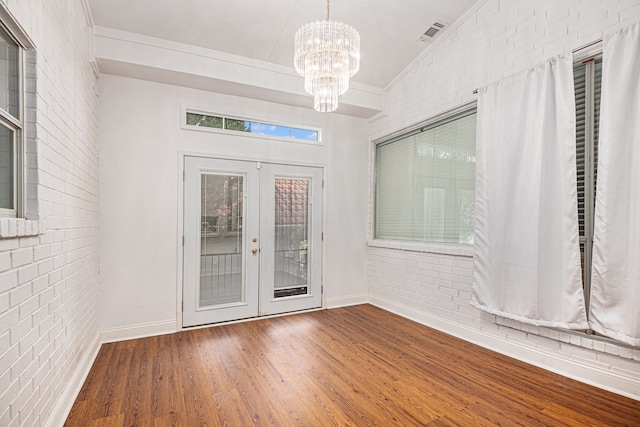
(327, 54)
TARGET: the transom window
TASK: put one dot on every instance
(199, 120)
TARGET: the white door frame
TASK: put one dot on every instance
(180, 224)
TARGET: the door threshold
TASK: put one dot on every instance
(249, 319)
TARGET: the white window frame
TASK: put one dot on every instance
(16, 125)
(202, 111)
(14, 30)
(451, 248)
(14, 223)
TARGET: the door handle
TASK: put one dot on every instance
(254, 250)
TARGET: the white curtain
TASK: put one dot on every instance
(615, 287)
(527, 257)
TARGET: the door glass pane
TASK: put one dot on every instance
(221, 266)
(291, 237)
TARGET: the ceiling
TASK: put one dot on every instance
(264, 29)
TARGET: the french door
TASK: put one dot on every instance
(252, 239)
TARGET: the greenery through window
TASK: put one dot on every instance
(194, 119)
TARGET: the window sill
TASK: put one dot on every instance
(459, 249)
(20, 227)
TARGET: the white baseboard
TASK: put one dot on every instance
(346, 301)
(138, 331)
(61, 410)
(589, 374)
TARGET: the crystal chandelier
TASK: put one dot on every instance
(327, 54)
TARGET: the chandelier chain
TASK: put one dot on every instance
(328, 10)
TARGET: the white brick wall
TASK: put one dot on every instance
(496, 39)
(49, 282)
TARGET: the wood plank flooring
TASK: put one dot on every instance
(353, 366)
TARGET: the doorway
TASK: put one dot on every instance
(252, 239)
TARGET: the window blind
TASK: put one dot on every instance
(425, 183)
(587, 84)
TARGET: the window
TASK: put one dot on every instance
(194, 119)
(202, 120)
(587, 82)
(10, 124)
(425, 182)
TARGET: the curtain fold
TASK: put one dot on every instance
(615, 285)
(527, 258)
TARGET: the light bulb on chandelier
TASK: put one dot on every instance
(327, 54)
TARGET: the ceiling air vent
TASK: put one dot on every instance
(432, 31)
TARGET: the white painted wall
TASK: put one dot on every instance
(49, 323)
(432, 283)
(140, 141)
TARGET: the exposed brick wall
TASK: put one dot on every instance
(49, 282)
(495, 40)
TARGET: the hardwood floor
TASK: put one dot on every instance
(353, 366)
